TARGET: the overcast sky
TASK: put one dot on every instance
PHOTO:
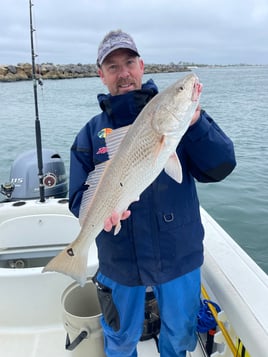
(199, 31)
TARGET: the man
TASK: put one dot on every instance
(160, 242)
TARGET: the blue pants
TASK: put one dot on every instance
(178, 303)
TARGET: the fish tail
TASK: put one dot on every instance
(71, 262)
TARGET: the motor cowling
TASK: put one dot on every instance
(24, 175)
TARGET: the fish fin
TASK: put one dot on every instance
(113, 140)
(72, 262)
(92, 182)
(160, 146)
(173, 168)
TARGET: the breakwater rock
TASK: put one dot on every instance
(23, 71)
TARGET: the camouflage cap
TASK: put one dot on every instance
(113, 41)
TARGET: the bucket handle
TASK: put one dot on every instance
(70, 346)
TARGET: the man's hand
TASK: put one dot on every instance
(114, 219)
(196, 115)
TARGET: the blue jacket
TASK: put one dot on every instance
(163, 238)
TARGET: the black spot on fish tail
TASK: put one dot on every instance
(70, 252)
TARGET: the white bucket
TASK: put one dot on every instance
(81, 318)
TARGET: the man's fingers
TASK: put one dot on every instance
(108, 224)
(125, 214)
(114, 219)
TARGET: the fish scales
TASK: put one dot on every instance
(148, 147)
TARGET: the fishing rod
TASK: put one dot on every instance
(37, 121)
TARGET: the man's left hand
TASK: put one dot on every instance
(196, 115)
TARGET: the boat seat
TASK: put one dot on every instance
(38, 230)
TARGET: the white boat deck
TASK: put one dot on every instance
(51, 342)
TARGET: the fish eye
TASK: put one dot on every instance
(180, 88)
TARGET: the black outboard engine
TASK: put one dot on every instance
(24, 175)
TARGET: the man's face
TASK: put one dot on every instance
(122, 71)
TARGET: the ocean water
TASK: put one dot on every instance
(237, 99)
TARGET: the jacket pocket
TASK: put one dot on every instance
(172, 219)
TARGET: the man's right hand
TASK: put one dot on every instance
(114, 219)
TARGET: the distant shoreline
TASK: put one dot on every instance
(23, 71)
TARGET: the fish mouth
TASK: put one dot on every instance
(197, 89)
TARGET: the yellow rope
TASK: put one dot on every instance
(225, 333)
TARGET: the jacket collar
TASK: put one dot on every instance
(123, 109)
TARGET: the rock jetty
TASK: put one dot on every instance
(23, 71)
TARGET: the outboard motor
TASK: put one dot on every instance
(24, 175)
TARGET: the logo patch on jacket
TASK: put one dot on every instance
(102, 150)
(102, 134)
